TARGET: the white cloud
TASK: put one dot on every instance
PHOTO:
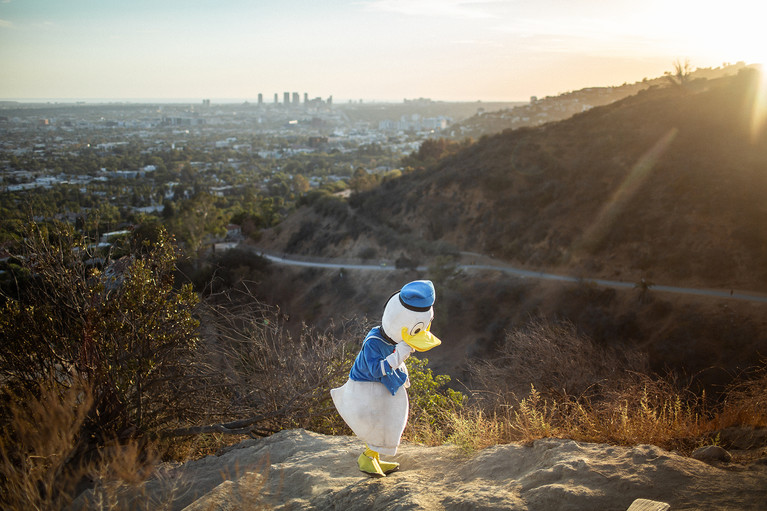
(5, 24)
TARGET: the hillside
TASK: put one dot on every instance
(666, 186)
(555, 108)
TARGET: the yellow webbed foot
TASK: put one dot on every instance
(370, 466)
(388, 466)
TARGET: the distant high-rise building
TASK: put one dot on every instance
(206, 103)
(276, 101)
(296, 100)
(260, 99)
(286, 98)
(330, 101)
(306, 98)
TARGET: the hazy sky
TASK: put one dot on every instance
(360, 49)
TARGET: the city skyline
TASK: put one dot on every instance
(371, 50)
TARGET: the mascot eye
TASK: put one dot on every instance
(417, 328)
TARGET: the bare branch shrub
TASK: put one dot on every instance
(746, 401)
(274, 381)
(552, 357)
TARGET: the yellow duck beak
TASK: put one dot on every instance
(422, 341)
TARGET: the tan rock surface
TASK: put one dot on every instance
(297, 469)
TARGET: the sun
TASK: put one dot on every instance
(731, 33)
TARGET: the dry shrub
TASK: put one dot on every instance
(39, 437)
(42, 466)
(241, 488)
(549, 381)
(273, 381)
(116, 480)
(472, 429)
(555, 359)
(644, 410)
(746, 401)
(41, 461)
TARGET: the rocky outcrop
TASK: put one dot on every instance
(297, 469)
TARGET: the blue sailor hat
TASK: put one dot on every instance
(418, 295)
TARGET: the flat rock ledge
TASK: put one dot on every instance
(297, 469)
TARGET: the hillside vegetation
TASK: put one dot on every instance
(556, 108)
(667, 185)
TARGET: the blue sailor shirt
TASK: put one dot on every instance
(368, 367)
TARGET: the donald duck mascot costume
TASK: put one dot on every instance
(373, 401)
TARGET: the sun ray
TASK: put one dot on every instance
(638, 174)
(759, 115)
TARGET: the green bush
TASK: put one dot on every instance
(432, 403)
(125, 330)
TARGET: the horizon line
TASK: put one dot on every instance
(339, 101)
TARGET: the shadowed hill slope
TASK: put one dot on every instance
(668, 185)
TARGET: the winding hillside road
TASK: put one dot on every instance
(518, 272)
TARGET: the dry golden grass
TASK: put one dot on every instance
(39, 437)
(548, 380)
(43, 465)
(635, 409)
(43, 459)
(183, 448)
(473, 430)
(648, 411)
